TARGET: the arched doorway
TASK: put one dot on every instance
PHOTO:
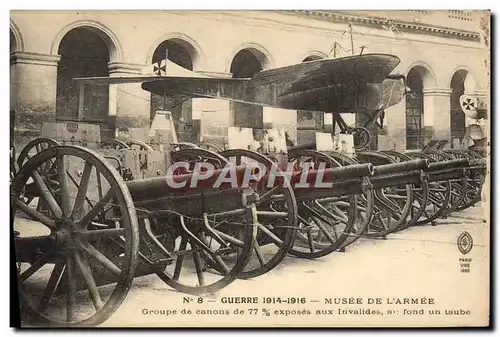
(246, 63)
(183, 54)
(414, 109)
(13, 44)
(84, 53)
(462, 81)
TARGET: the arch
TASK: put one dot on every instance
(107, 35)
(84, 53)
(465, 73)
(313, 55)
(261, 53)
(17, 44)
(194, 50)
(426, 73)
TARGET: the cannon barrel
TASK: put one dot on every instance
(392, 179)
(333, 175)
(449, 164)
(418, 164)
(179, 184)
(446, 174)
(339, 188)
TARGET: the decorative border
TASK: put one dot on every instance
(377, 22)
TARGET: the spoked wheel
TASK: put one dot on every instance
(208, 252)
(392, 204)
(139, 145)
(197, 156)
(76, 261)
(114, 144)
(474, 180)
(32, 148)
(438, 198)
(361, 137)
(276, 215)
(324, 223)
(458, 186)
(211, 146)
(365, 202)
(183, 145)
(420, 193)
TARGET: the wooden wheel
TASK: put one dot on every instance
(139, 145)
(438, 197)
(211, 146)
(210, 250)
(76, 261)
(392, 204)
(473, 182)
(276, 215)
(458, 186)
(32, 148)
(361, 137)
(364, 206)
(324, 223)
(420, 193)
(114, 144)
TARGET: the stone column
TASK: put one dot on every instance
(395, 126)
(33, 84)
(436, 123)
(129, 104)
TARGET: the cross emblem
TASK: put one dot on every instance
(160, 68)
(468, 104)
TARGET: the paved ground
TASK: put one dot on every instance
(378, 279)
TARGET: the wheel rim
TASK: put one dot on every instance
(325, 223)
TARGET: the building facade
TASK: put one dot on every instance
(444, 54)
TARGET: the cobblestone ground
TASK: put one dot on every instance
(420, 264)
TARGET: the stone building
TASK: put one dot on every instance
(443, 54)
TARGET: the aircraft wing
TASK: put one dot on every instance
(347, 71)
(171, 70)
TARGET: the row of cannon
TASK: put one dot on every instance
(86, 222)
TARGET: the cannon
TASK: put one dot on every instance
(98, 232)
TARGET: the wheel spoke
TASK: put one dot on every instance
(64, 186)
(98, 207)
(82, 191)
(50, 289)
(71, 295)
(89, 279)
(103, 259)
(35, 215)
(47, 195)
(198, 265)
(257, 251)
(35, 266)
(266, 231)
(180, 258)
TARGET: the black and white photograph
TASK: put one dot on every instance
(250, 168)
